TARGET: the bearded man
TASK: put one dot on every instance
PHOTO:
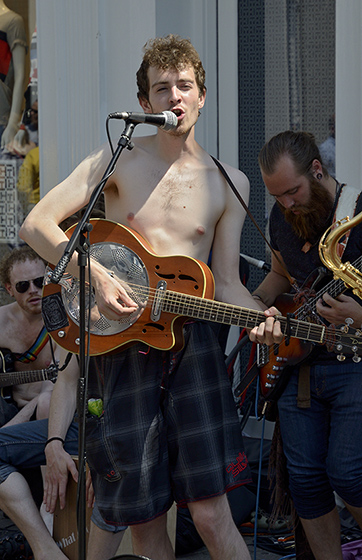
(321, 441)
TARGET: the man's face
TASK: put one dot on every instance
(304, 201)
(177, 91)
(21, 274)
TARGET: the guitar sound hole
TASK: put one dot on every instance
(168, 276)
(186, 277)
(155, 326)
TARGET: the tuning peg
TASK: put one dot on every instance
(341, 358)
(349, 321)
(356, 359)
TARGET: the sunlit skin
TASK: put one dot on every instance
(177, 91)
(168, 190)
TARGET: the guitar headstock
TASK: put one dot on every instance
(52, 373)
(344, 339)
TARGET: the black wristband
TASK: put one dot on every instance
(55, 438)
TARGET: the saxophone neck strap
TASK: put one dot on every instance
(346, 207)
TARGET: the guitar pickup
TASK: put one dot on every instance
(262, 355)
(157, 302)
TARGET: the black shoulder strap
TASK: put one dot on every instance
(242, 202)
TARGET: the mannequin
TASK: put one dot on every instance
(13, 47)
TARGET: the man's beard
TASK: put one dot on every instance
(314, 217)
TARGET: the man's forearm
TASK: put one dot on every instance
(271, 287)
(63, 401)
(24, 413)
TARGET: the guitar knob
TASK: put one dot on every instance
(61, 334)
(270, 376)
(268, 385)
(77, 341)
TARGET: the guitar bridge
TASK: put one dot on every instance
(262, 355)
(157, 302)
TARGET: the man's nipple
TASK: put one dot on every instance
(130, 216)
(200, 230)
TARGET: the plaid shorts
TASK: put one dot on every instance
(169, 431)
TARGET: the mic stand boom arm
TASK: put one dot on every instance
(80, 243)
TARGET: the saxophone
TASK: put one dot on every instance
(350, 275)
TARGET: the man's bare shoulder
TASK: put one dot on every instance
(7, 312)
(7, 317)
(236, 174)
(238, 178)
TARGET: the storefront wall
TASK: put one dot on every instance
(88, 53)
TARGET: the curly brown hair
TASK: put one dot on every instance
(171, 51)
(22, 254)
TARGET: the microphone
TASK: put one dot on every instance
(256, 262)
(166, 120)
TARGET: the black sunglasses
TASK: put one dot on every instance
(24, 285)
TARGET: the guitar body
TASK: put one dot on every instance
(273, 360)
(6, 365)
(129, 259)
(168, 290)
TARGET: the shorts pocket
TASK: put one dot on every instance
(99, 454)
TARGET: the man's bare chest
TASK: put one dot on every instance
(33, 342)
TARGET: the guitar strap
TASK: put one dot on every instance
(32, 353)
(244, 205)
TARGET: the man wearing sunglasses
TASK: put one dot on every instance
(22, 333)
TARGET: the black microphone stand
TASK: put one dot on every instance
(79, 242)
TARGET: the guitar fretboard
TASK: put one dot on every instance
(20, 377)
(218, 312)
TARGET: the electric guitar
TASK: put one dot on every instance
(168, 290)
(10, 378)
(273, 360)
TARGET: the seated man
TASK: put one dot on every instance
(22, 332)
(28, 446)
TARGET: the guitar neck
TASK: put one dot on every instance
(20, 377)
(218, 312)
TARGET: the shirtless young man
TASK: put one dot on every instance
(21, 324)
(169, 190)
